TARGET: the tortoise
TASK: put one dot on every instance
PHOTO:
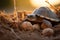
(41, 14)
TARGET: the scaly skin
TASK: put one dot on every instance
(46, 24)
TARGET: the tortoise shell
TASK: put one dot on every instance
(46, 13)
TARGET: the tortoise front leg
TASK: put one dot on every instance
(46, 24)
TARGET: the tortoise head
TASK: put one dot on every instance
(33, 17)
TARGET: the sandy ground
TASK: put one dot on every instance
(6, 34)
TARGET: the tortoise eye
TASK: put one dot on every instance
(30, 16)
(37, 16)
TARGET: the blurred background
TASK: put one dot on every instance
(29, 5)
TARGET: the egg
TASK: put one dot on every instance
(47, 32)
(26, 25)
(36, 27)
